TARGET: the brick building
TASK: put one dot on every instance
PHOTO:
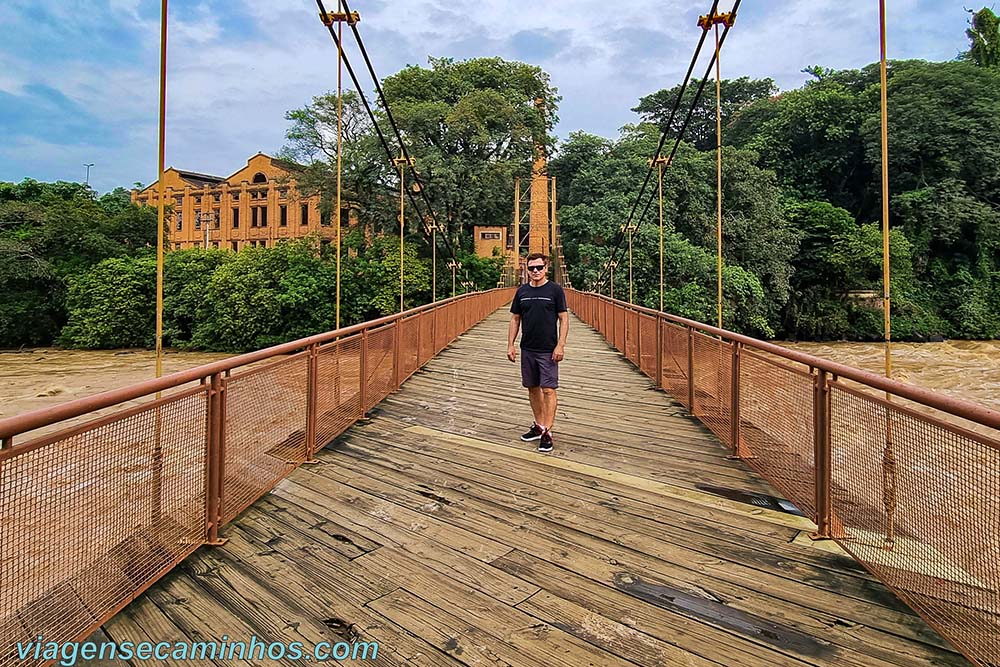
(258, 205)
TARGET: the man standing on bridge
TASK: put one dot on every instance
(537, 306)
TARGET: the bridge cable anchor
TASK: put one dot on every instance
(329, 18)
(708, 20)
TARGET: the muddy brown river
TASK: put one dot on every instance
(46, 377)
(960, 368)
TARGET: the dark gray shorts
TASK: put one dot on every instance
(538, 370)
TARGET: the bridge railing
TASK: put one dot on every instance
(94, 513)
(904, 479)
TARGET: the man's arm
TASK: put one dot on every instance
(515, 324)
(560, 351)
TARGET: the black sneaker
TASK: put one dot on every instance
(545, 443)
(534, 433)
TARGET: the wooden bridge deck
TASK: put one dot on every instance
(434, 531)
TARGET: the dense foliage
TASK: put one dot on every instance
(802, 200)
(802, 241)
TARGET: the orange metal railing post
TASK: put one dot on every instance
(734, 407)
(659, 352)
(690, 370)
(215, 460)
(638, 341)
(363, 374)
(821, 420)
(312, 399)
(397, 357)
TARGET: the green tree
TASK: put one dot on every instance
(266, 296)
(736, 95)
(758, 241)
(186, 278)
(471, 125)
(984, 38)
(50, 233)
(112, 305)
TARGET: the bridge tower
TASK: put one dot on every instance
(538, 216)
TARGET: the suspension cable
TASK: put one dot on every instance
(687, 120)
(663, 137)
(371, 113)
(694, 103)
(395, 127)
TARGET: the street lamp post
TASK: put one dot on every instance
(434, 264)
(453, 265)
(88, 165)
(611, 267)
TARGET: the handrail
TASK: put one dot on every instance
(965, 409)
(909, 494)
(154, 481)
(41, 417)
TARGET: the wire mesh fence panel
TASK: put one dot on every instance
(338, 388)
(675, 362)
(379, 364)
(713, 384)
(409, 353)
(647, 345)
(631, 325)
(918, 502)
(618, 326)
(265, 430)
(777, 426)
(426, 337)
(93, 514)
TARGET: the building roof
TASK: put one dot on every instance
(200, 179)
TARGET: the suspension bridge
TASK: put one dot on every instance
(712, 500)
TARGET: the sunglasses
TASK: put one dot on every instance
(540, 267)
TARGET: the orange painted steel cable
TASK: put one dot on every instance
(659, 147)
(340, 146)
(159, 181)
(371, 113)
(718, 147)
(680, 134)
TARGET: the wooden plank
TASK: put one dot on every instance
(325, 565)
(384, 517)
(202, 619)
(319, 529)
(465, 644)
(804, 608)
(290, 597)
(711, 642)
(503, 629)
(520, 490)
(612, 636)
(660, 488)
(143, 621)
(392, 447)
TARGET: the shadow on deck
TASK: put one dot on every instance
(435, 532)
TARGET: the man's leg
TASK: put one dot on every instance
(537, 401)
(549, 407)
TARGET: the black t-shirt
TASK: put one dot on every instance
(539, 308)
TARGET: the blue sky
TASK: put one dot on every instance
(78, 78)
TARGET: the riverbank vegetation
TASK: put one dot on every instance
(801, 229)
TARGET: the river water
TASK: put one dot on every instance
(960, 368)
(46, 376)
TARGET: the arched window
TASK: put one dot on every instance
(259, 178)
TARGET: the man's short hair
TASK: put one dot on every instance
(537, 255)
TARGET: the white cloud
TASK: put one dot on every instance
(232, 76)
